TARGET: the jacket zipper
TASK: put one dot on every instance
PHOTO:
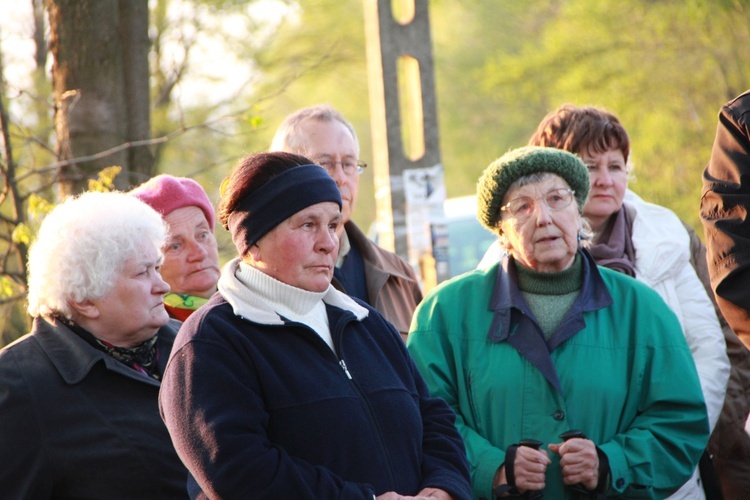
(337, 355)
(346, 370)
(336, 335)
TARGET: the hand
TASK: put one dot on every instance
(434, 493)
(529, 468)
(579, 462)
(425, 494)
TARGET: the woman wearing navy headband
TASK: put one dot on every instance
(283, 387)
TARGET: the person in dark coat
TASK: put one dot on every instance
(284, 387)
(78, 395)
(724, 207)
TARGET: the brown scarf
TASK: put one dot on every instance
(613, 247)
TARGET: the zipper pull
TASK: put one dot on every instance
(346, 370)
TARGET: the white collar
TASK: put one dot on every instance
(247, 299)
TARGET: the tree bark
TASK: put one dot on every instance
(40, 43)
(98, 80)
(135, 43)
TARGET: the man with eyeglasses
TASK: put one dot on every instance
(363, 269)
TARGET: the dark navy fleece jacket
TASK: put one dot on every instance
(270, 411)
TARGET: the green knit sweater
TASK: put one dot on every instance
(550, 295)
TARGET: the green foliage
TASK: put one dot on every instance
(317, 55)
(254, 121)
(663, 67)
(8, 288)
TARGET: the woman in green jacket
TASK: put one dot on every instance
(547, 350)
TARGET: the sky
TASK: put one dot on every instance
(215, 71)
(16, 41)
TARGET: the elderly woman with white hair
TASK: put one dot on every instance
(78, 395)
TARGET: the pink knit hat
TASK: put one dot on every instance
(165, 194)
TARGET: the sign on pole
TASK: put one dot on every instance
(409, 184)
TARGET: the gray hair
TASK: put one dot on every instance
(83, 245)
(288, 136)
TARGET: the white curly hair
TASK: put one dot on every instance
(82, 246)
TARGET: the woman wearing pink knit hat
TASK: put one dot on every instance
(191, 255)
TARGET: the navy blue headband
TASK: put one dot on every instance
(278, 199)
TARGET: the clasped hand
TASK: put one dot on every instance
(578, 460)
(425, 494)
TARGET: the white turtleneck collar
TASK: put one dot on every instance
(260, 298)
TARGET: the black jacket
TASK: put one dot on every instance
(76, 423)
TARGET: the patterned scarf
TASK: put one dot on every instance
(181, 306)
(142, 358)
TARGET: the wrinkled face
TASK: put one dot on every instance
(301, 251)
(133, 310)
(332, 143)
(609, 180)
(191, 255)
(546, 240)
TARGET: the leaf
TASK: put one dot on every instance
(39, 207)
(7, 287)
(254, 121)
(22, 234)
(106, 179)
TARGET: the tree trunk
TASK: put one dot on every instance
(40, 43)
(97, 80)
(135, 42)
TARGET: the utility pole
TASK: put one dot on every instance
(408, 174)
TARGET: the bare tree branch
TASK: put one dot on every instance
(13, 298)
(208, 124)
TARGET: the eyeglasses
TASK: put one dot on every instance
(349, 166)
(523, 207)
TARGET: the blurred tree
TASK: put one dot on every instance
(317, 55)
(663, 67)
(100, 81)
(13, 242)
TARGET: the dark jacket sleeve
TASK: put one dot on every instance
(725, 202)
(22, 451)
(729, 443)
(445, 465)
